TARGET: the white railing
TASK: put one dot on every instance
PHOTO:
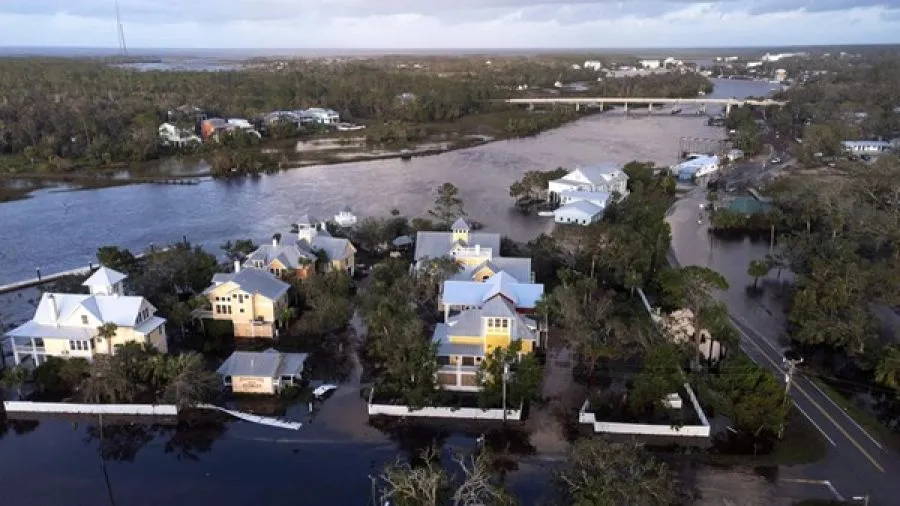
(473, 252)
(21, 348)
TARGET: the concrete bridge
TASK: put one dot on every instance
(649, 102)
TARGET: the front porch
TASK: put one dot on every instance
(28, 352)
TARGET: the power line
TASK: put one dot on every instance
(120, 30)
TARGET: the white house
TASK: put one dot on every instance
(66, 325)
(171, 135)
(345, 218)
(698, 166)
(319, 115)
(866, 147)
(650, 64)
(580, 212)
(603, 177)
(593, 65)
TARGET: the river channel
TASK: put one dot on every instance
(58, 462)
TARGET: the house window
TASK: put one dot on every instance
(468, 361)
(223, 309)
(84, 319)
(443, 360)
(79, 345)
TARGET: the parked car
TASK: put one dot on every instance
(776, 160)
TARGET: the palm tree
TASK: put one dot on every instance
(285, 315)
(190, 383)
(13, 378)
(107, 331)
(756, 270)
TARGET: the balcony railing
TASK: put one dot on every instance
(24, 348)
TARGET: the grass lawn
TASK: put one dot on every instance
(802, 444)
(869, 422)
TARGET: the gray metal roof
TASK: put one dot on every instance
(580, 209)
(447, 348)
(460, 224)
(602, 172)
(337, 248)
(265, 364)
(439, 244)
(290, 255)
(253, 281)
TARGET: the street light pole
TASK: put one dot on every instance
(791, 363)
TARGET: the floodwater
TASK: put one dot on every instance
(236, 462)
(58, 229)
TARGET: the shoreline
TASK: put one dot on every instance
(78, 181)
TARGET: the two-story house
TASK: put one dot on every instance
(251, 299)
(583, 194)
(313, 237)
(465, 340)
(460, 295)
(601, 178)
(66, 325)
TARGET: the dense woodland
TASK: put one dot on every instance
(839, 227)
(57, 113)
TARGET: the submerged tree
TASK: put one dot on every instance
(447, 205)
(604, 473)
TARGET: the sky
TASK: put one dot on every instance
(444, 24)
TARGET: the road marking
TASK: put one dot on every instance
(837, 495)
(815, 424)
(813, 383)
(844, 411)
(818, 406)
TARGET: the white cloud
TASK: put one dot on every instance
(449, 24)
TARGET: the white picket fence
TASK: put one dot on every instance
(645, 429)
(91, 409)
(512, 415)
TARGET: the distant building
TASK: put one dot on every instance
(699, 166)
(345, 217)
(780, 75)
(866, 147)
(212, 128)
(265, 372)
(734, 155)
(593, 65)
(321, 116)
(171, 135)
(313, 237)
(650, 64)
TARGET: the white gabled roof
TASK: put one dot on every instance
(104, 276)
(56, 313)
(579, 209)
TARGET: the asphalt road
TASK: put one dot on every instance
(857, 463)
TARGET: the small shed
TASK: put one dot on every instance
(265, 372)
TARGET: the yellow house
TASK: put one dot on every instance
(66, 325)
(266, 372)
(251, 299)
(466, 339)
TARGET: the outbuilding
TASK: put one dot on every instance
(579, 212)
(265, 372)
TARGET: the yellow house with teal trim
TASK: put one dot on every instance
(465, 340)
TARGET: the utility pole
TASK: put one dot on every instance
(792, 362)
(505, 376)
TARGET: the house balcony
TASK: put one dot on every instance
(24, 348)
(473, 252)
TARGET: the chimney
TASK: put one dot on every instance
(237, 266)
(274, 241)
(54, 309)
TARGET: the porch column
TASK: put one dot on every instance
(446, 312)
(34, 353)
(15, 351)
(626, 108)
(727, 109)
(577, 107)
(649, 108)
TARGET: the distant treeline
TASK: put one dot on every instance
(56, 113)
